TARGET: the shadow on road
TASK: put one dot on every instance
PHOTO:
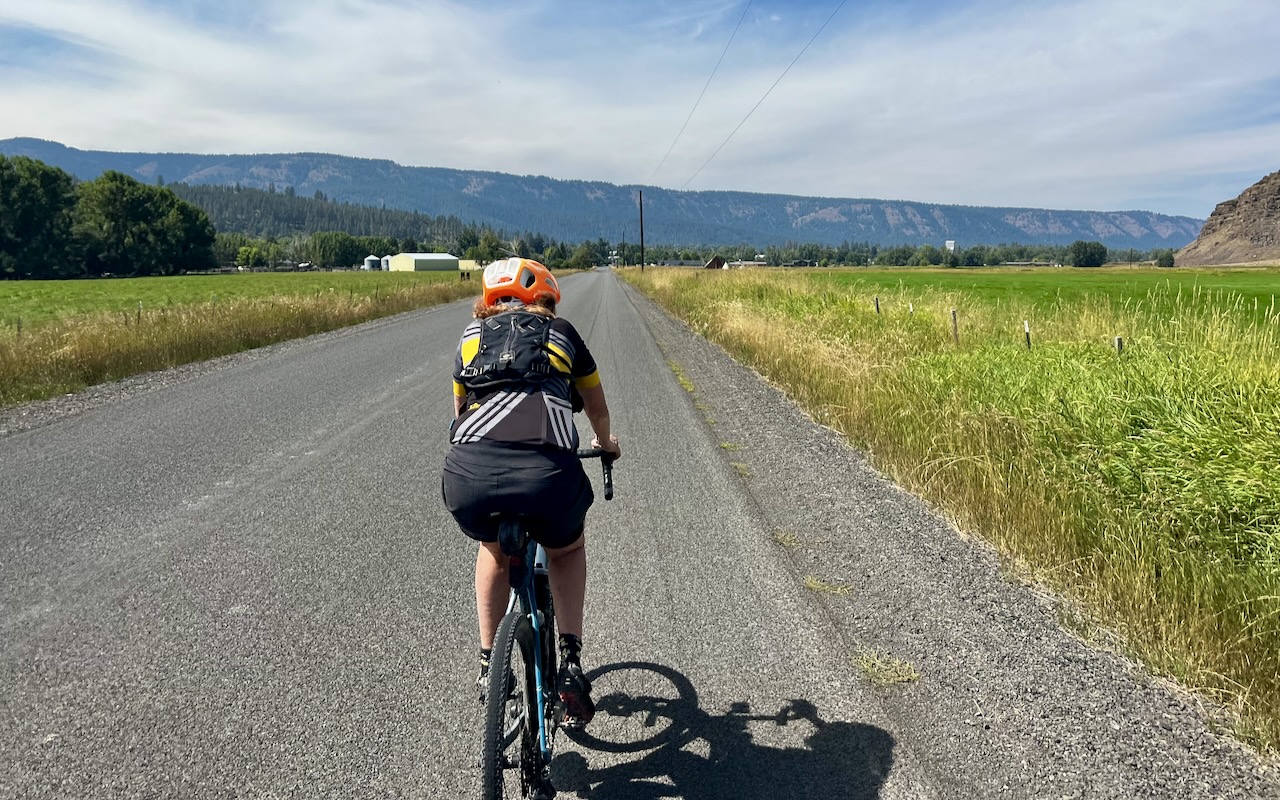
(648, 715)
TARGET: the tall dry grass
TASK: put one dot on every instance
(1142, 484)
(69, 355)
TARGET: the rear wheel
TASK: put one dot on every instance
(509, 749)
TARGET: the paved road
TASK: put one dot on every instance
(241, 583)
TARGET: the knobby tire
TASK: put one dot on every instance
(506, 662)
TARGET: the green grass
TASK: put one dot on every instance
(1044, 287)
(685, 383)
(1142, 485)
(41, 302)
(79, 333)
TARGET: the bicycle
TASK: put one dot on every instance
(522, 704)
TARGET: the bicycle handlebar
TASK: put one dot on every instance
(606, 465)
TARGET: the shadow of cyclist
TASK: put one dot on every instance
(679, 750)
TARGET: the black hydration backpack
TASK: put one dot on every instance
(513, 349)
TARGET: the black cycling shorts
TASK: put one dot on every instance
(548, 487)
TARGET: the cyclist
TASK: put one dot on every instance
(519, 373)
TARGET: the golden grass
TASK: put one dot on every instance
(67, 355)
(1141, 484)
(815, 584)
(787, 539)
(883, 669)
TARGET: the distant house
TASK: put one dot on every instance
(801, 262)
(372, 262)
(421, 262)
(745, 264)
(716, 262)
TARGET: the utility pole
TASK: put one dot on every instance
(642, 231)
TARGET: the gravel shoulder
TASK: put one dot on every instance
(1008, 702)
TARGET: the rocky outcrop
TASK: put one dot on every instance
(1245, 230)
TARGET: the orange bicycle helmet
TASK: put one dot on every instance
(521, 279)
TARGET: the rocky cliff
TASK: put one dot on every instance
(1245, 230)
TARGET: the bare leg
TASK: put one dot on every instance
(492, 590)
(568, 573)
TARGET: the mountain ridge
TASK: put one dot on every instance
(575, 210)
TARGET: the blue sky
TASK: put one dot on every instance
(1080, 104)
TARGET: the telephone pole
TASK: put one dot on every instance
(642, 231)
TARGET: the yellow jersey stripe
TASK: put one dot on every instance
(559, 358)
(469, 349)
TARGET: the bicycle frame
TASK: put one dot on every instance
(524, 599)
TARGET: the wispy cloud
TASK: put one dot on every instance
(1102, 104)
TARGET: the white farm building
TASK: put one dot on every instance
(419, 262)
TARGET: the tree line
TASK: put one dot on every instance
(54, 226)
(272, 214)
(340, 249)
(1079, 254)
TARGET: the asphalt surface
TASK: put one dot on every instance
(237, 580)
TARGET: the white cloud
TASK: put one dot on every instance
(1084, 104)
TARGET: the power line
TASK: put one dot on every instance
(766, 94)
(704, 90)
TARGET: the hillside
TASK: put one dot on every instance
(1240, 231)
(578, 210)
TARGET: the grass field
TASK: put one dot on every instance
(41, 302)
(1140, 483)
(75, 334)
(1043, 287)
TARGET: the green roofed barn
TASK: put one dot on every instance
(419, 262)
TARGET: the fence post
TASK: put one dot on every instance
(139, 312)
(955, 327)
(1026, 328)
(911, 309)
(1119, 345)
(877, 305)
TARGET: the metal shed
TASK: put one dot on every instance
(419, 262)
